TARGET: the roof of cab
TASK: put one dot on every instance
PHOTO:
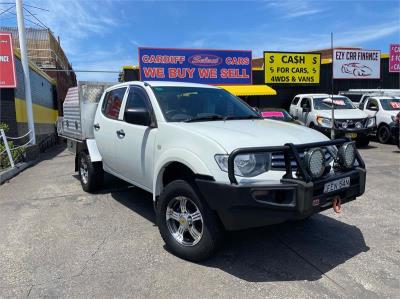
(313, 95)
(380, 97)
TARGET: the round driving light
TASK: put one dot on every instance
(359, 125)
(315, 162)
(347, 155)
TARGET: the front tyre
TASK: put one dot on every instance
(91, 174)
(384, 134)
(362, 141)
(189, 228)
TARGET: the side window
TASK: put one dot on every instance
(112, 102)
(305, 102)
(295, 100)
(137, 99)
(372, 105)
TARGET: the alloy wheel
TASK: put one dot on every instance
(184, 221)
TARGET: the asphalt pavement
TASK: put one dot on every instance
(58, 241)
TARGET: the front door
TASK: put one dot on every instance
(372, 107)
(137, 144)
(304, 110)
(106, 124)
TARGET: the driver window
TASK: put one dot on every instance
(137, 99)
(305, 103)
(372, 105)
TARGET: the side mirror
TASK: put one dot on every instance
(306, 109)
(138, 116)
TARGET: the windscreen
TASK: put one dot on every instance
(390, 104)
(324, 103)
(198, 103)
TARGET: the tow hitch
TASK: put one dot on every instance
(337, 204)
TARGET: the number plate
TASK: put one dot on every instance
(351, 135)
(336, 185)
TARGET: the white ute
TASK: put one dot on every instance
(385, 109)
(315, 111)
(211, 162)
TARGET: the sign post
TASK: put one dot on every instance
(394, 59)
(218, 67)
(292, 68)
(333, 106)
(7, 66)
(25, 66)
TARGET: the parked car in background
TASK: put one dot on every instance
(358, 96)
(278, 114)
(385, 110)
(315, 111)
(396, 130)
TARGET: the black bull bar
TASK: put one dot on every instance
(289, 150)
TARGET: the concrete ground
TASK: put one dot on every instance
(58, 241)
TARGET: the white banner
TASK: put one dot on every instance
(356, 64)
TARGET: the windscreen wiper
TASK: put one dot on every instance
(242, 117)
(205, 118)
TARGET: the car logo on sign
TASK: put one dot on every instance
(205, 60)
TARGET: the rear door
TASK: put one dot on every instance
(136, 146)
(106, 124)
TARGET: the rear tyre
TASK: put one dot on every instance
(91, 174)
(383, 134)
(189, 228)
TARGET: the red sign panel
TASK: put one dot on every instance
(394, 59)
(7, 68)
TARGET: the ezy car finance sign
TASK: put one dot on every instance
(356, 64)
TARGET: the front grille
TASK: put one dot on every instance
(351, 123)
(278, 160)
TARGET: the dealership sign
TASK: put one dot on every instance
(292, 67)
(7, 68)
(356, 64)
(394, 59)
(196, 65)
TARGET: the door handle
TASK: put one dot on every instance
(121, 133)
(96, 127)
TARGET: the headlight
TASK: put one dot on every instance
(315, 162)
(324, 122)
(246, 165)
(371, 122)
(347, 155)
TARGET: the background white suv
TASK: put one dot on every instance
(314, 111)
(384, 109)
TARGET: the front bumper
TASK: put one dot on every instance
(253, 205)
(340, 132)
(248, 205)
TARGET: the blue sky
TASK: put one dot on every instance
(104, 35)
